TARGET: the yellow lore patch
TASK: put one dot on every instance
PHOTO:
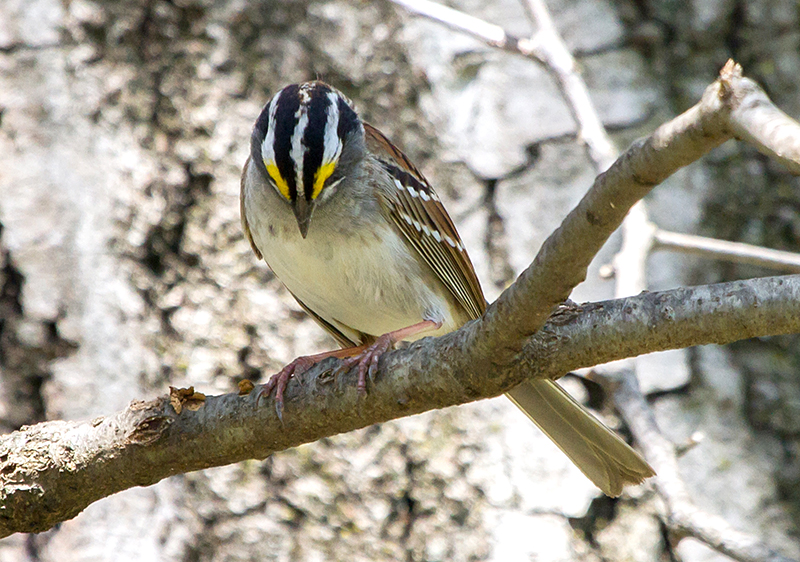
(280, 183)
(323, 173)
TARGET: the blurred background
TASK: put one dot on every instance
(123, 269)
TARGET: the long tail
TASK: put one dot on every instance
(596, 450)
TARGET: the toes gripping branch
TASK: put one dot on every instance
(366, 357)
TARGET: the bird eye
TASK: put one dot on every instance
(330, 188)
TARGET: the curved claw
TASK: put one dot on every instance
(367, 361)
(279, 380)
(366, 358)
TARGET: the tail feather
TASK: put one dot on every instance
(598, 452)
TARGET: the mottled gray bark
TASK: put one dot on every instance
(123, 126)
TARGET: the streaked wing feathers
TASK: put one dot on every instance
(423, 220)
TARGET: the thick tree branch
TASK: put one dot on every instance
(631, 326)
(565, 256)
(51, 471)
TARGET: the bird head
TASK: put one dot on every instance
(303, 143)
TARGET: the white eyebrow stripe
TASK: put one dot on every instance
(268, 144)
(332, 142)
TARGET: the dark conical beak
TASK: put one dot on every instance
(302, 212)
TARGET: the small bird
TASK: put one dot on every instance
(360, 239)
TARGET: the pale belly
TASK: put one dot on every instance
(354, 283)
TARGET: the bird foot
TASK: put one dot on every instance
(366, 357)
(279, 380)
(367, 361)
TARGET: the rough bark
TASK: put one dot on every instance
(122, 129)
(53, 470)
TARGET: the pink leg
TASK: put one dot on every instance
(367, 359)
(279, 380)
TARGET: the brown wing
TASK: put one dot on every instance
(420, 216)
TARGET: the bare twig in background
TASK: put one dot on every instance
(559, 62)
(648, 236)
(733, 107)
(545, 47)
(735, 252)
(630, 273)
(683, 517)
(492, 35)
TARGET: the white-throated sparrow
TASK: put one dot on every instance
(360, 239)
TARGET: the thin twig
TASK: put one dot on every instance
(491, 34)
(736, 252)
(630, 273)
(550, 48)
(683, 517)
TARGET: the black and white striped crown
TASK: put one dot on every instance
(299, 137)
